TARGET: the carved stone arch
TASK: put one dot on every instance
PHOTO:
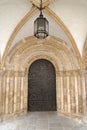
(31, 47)
(37, 57)
(15, 81)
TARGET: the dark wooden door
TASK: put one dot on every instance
(41, 86)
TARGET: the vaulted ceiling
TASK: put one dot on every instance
(67, 21)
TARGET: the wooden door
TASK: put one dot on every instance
(41, 86)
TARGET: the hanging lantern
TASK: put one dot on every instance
(41, 26)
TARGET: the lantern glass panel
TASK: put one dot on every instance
(41, 25)
(47, 26)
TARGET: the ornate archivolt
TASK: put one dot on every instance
(50, 48)
(14, 79)
(56, 18)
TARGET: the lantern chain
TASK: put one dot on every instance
(41, 7)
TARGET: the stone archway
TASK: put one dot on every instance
(69, 83)
(41, 86)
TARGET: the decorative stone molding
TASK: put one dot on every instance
(33, 47)
(70, 73)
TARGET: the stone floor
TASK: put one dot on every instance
(42, 121)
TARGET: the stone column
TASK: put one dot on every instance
(84, 95)
(68, 94)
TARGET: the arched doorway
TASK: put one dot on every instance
(42, 86)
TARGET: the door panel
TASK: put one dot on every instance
(41, 86)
